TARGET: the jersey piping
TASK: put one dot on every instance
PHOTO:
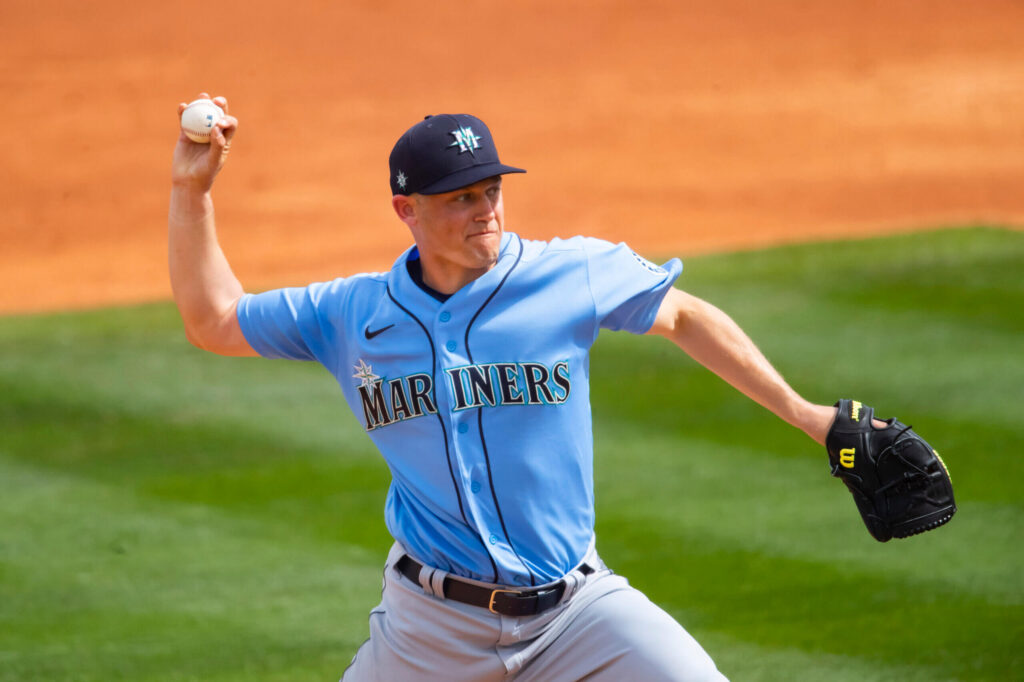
(444, 431)
(480, 418)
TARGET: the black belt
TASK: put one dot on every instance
(505, 602)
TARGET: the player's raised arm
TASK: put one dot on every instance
(714, 340)
(205, 288)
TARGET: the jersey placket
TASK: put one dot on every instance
(468, 448)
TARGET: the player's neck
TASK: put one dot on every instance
(447, 277)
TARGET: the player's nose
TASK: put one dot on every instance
(487, 211)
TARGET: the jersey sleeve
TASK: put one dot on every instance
(298, 323)
(627, 288)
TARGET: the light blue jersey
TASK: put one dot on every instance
(480, 404)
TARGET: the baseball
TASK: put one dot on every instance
(199, 118)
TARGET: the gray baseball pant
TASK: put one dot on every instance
(602, 630)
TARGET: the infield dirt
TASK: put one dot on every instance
(680, 127)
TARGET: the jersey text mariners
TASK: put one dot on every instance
(479, 404)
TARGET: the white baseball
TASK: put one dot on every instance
(199, 118)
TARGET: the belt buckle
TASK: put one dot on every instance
(494, 593)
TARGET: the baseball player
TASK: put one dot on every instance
(467, 365)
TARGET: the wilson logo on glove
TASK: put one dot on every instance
(900, 484)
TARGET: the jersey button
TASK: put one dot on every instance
(475, 487)
(445, 316)
(462, 429)
(493, 539)
(451, 346)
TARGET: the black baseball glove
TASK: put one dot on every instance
(898, 481)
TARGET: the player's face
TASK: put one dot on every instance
(459, 233)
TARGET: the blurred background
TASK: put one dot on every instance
(682, 127)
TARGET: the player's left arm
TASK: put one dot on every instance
(714, 340)
(899, 483)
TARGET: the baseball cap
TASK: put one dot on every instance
(443, 153)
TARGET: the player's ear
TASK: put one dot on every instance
(405, 207)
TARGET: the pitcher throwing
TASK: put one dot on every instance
(468, 364)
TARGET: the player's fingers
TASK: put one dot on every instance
(217, 139)
(218, 149)
(227, 127)
(222, 132)
(221, 102)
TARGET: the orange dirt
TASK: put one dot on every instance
(680, 127)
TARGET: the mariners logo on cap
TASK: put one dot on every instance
(401, 179)
(465, 139)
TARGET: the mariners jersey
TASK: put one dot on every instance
(479, 404)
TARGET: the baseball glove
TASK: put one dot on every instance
(898, 481)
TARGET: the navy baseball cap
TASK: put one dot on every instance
(443, 153)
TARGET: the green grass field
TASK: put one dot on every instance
(170, 515)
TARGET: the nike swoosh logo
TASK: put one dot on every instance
(369, 335)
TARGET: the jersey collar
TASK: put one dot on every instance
(409, 293)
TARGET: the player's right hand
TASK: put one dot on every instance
(196, 165)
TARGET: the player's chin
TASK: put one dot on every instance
(482, 250)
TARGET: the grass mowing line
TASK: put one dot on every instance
(742, 660)
(975, 419)
(740, 497)
(773, 551)
(147, 368)
(821, 606)
(814, 603)
(137, 583)
(327, 496)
